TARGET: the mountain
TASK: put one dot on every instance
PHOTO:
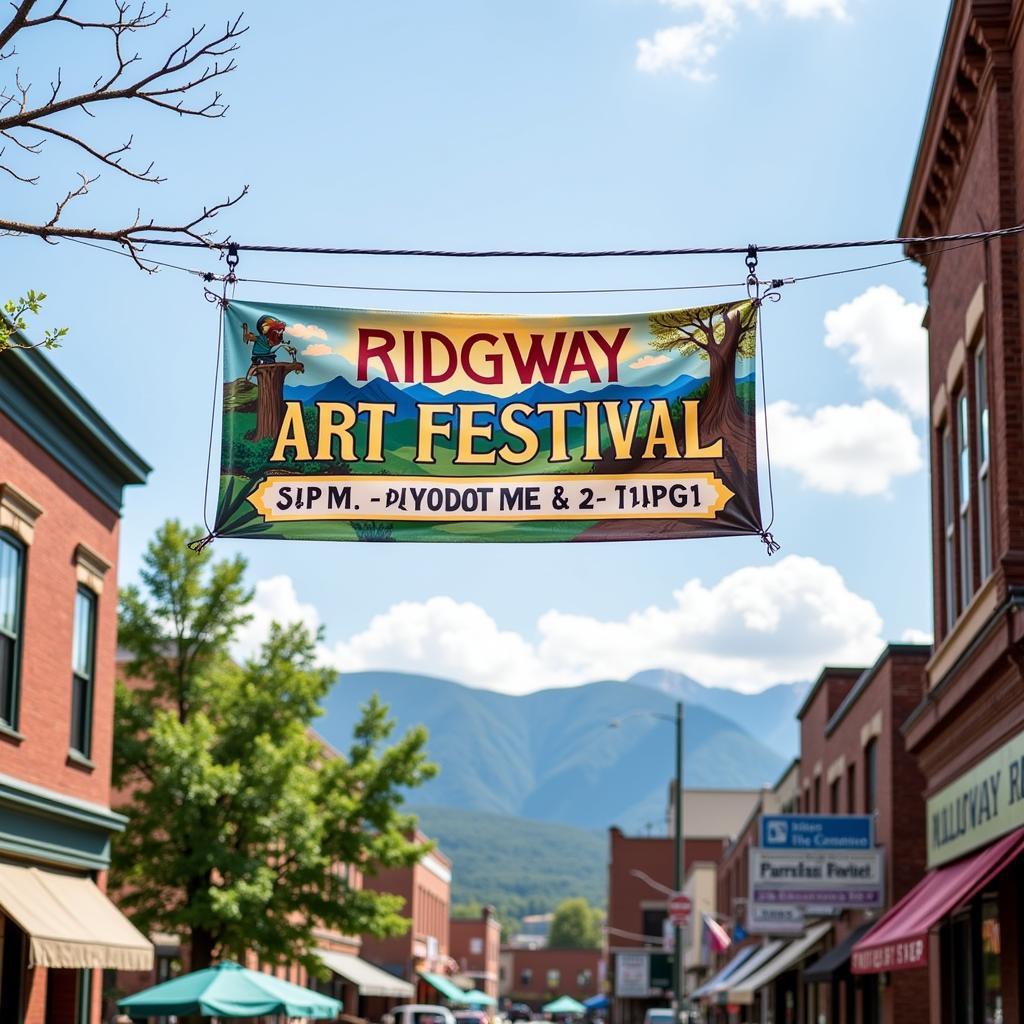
(488, 852)
(770, 715)
(552, 755)
(340, 389)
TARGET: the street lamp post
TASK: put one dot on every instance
(678, 965)
(679, 968)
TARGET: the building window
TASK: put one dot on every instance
(82, 670)
(476, 946)
(584, 979)
(12, 594)
(851, 789)
(871, 776)
(963, 443)
(817, 794)
(984, 484)
(991, 962)
(949, 527)
(554, 979)
(525, 977)
(834, 795)
(654, 924)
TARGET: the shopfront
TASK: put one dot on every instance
(961, 922)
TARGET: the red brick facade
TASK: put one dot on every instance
(476, 948)
(426, 888)
(968, 176)
(536, 976)
(850, 719)
(61, 479)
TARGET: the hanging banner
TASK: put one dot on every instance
(343, 424)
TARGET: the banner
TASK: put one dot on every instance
(344, 424)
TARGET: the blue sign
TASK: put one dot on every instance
(817, 831)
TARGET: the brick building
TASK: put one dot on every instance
(536, 976)
(960, 927)
(475, 946)
(422, 955)
(62, 475)
(854, 760)
(641, 872)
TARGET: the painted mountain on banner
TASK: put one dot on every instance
(406, 399)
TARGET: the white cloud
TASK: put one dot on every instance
(886, 344)
(754, 627)
(275, 600)
(814, 8)
(305, 331)
(689, 49)
(317, 349)
(845, 449)
(917, 636)
(645, 361)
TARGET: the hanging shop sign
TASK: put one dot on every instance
(981, 805)
(343, 424)
(817, 831)
(774, 919)
(829, 878)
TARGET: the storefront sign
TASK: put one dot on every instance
(983, 804)
(369, 425)
(894, 956)
(852, 878)
(817, 831)
(774, 919)
(632, 975)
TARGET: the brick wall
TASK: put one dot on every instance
(71, 515)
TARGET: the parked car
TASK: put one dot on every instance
(659, 1015)
(419, 1013)
(519, 1012)
(470, 1017)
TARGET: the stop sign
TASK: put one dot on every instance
(680, 906)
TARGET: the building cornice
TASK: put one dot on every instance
(975, 49)
(51, 411)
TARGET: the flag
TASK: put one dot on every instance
(715, 935)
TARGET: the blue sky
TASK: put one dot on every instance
(541, 124)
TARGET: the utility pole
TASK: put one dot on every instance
(678, 955)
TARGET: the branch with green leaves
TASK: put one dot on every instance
(13, 323)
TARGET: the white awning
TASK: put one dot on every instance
(370, 980)
(69, 922)
(767, 949)
(793, 953)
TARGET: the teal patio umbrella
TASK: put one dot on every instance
(565, 1004)
(229, 990)
(474, 997)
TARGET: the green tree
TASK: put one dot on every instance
(576, 925)
(241, 820)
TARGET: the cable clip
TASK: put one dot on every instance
(232, 261)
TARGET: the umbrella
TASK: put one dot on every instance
(599, 1002)
(229, 990)
(565, 1004)
(474, 997)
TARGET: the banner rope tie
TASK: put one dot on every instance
(229, 278)
(771, 293)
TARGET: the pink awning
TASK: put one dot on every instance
(900, 938)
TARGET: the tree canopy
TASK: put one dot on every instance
(576, 925)
(244, 827)
(703, 330)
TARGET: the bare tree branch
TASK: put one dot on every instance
(175, 82)
(128, 236)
